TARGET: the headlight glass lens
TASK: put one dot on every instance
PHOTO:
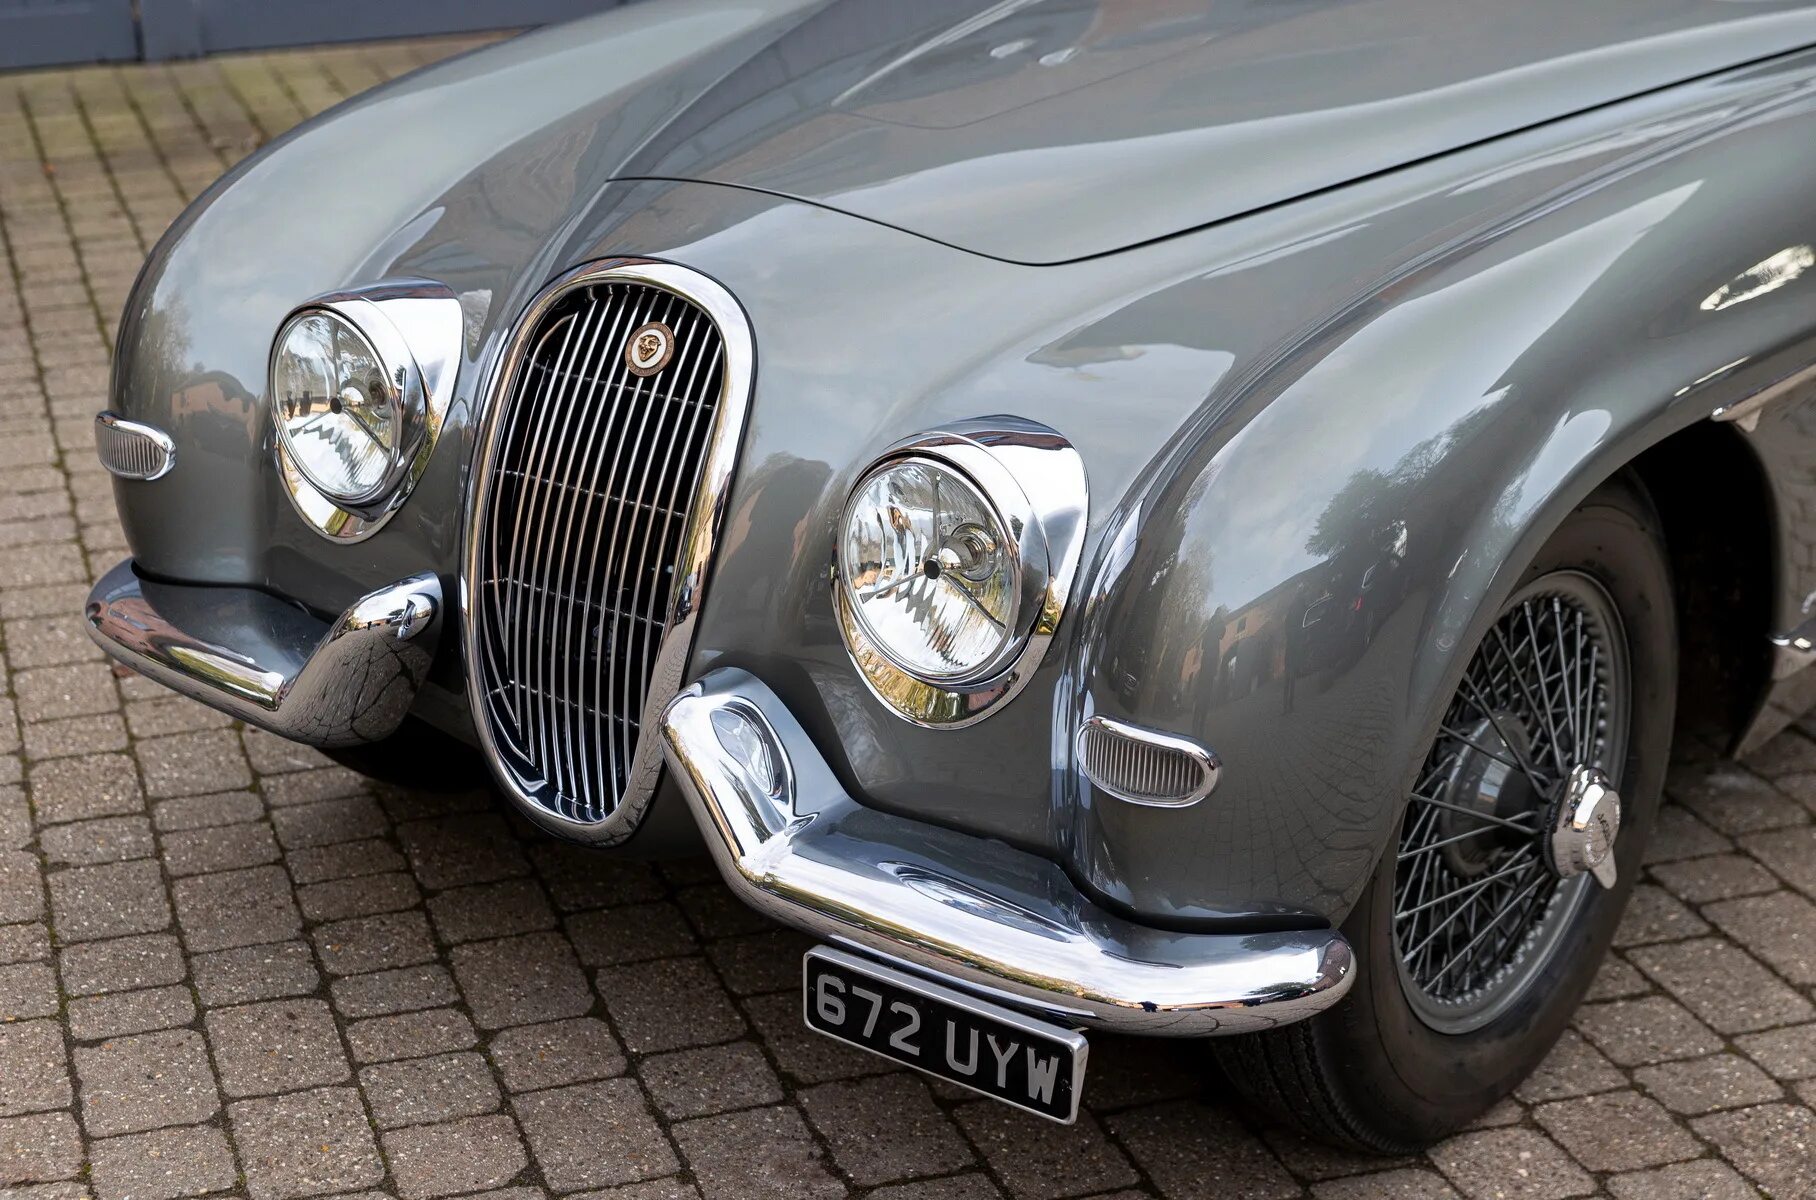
(338, 410)
(929, 570)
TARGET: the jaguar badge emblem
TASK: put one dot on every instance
(649, 348)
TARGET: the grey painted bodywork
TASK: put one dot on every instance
(1324, 419)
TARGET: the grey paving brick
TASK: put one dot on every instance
(1514, 1164)
(266, 972)
(1790, 853)
(40, 1148)
(145, 1082)
(491, 910)
(236, 908)
(1722, 985)
(163, 1165)
(386, 992)
(760, 962)
(424, 1091)
(578, 879)
(124, 964)
(184, 813)
(309, 787)
(27, 990)
(219, 848)
(34, 1071)
(559, 1052)
(345, 860)
(119, 1014)
(1616, 1131)
(465, 1156)
(74, 735)
(696, 1083)
(1702, 1085)
(277, 1046)
(1679, 833)
(521, 980)
(878, 1130)
(1402, 1184)
(24, 943)
(272, 755)
(1032, 1160)
(21, 886)
(190, 764)
(410, 1035)
(108, 901)
(78, 689)
(565, 1126)
(1573, 1068)
(103, 840)
(378, 943)
(611, 937)
(1655, 915)
(757, 1153)
(94, 785)
(668, 1004)
(1645, 1030)
(305, 1144)
(330, 821)
(961, 1187)
(1779, 928)
(466, 849)
(362, 896)
(1770, 1144)
(1717, 877)
(1705, 1179)
(1784, 1053)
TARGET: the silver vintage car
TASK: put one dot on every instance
(1196, 520)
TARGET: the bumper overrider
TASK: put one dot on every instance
(787, 837)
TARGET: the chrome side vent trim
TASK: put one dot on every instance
(1144, 766)
(603, 459)
(132, 450)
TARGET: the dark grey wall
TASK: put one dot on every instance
(44, 32)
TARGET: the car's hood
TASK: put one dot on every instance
(1046, 130)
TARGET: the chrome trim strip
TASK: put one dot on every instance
(416, 326)
(1210, 768)
(1035, 479)
(968, 910)
(268, 662)
(698, 542)
(1745, 412)
(157, 446)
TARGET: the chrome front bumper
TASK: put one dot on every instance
(269, 663)
(996, 919)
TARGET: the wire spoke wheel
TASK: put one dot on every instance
(1478, 911)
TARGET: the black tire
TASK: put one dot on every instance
(418, 756)
(1372, 1073)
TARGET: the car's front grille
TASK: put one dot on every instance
(592, 476)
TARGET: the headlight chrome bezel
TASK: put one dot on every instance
(415, 328)
(1034, 481)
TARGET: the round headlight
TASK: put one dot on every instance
(929, 570)
(339, 410)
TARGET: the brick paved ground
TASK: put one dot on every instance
(229, 967)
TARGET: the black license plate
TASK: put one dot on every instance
(1004, 1054)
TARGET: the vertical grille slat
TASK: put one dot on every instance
(591, 476)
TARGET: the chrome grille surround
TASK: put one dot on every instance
(132, 449)
(1145, 766)
(573, 733)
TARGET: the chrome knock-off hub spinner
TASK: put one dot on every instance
(1585, 820)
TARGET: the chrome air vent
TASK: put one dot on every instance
(1144, 766)
(602, 463)
(133, 450)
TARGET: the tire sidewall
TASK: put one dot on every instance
(1429, 1083)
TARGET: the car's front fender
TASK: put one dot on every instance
(1301, 583)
